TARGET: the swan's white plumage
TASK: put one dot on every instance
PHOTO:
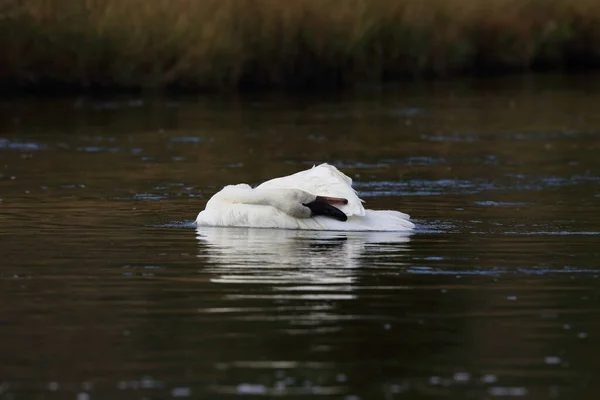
(323, 180)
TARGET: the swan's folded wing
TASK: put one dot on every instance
(322, 180)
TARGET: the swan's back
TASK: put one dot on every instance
(322, 180)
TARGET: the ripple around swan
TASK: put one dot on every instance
(503, 271)
(6, 144)
(419, 187)
(188, 139)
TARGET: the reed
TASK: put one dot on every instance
(231, 44)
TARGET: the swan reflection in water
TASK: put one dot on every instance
(295, 259)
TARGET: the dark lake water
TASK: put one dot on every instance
(108, 290)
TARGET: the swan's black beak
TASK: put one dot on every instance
(322, 206)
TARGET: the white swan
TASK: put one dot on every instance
(320, 198)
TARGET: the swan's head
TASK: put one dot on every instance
(302, 204)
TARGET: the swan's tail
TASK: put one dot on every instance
(385, 220)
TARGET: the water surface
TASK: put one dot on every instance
(107, 290)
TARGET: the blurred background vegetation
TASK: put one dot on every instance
(237, 44)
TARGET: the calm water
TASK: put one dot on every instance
(108, 291)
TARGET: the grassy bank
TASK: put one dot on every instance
(227, 44)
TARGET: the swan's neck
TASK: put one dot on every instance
(289, 201)
(261, 197)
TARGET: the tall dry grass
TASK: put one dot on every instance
(117, 44)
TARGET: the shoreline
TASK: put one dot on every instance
(189, 46)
